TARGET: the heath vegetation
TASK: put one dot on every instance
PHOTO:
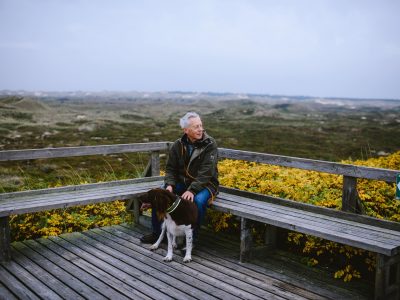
(363, 132)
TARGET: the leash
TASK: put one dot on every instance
(174, 205)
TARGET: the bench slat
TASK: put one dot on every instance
(363, 219)
(74, 198)
(333, 236)
(321, 225)
(297, 223)
(82, 193)
(362, 228)
(70, 188)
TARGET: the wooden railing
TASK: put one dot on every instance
(155, 149)
(350, 173)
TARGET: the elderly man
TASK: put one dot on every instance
(191, 170)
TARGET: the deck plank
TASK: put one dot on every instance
(14, 285)
(218, 279)
(146, 275)
(273, 264)
(5, 293)
(111, 262)
(46, 278)
(98, 269)
(265, 288)
(318, 285)
(176, 270)
(60, 268)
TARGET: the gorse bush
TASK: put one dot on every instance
(377, 197)
(57, 221)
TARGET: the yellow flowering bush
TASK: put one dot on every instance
(57, 221)
(320, 189)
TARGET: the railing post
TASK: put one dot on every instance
(5, 251)
(155, 163)
(350, 199)
(153, 166)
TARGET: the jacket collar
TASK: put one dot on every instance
(205, 140)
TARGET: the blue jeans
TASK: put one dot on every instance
(201, 200)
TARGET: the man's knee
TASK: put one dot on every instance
(201, 199)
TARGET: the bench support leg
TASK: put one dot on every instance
(138, 218)
(270, 237)
(245, 240)
(387, 277)
(5, 250)
(136, 211)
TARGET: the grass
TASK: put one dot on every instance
(294, 128)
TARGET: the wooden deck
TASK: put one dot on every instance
(111, 263)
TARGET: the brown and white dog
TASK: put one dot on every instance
(180, 219)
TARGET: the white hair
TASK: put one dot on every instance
(184, 121)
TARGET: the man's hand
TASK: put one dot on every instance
(188, 196)
(169, 188)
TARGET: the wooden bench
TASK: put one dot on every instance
(346, 227)
(64, 197)
(379, 236)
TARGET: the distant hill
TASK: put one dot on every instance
(188, 97)
(31, 105)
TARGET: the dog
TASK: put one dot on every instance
(180, 219)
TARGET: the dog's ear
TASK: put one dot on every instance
(160, 202)
(152, 195)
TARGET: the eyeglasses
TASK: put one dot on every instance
(199, 126)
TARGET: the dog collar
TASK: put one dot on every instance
(174, 205)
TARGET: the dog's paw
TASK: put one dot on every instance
(187, 259)
(153, 247)
(168, 258)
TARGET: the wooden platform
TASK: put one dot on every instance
(111, 263)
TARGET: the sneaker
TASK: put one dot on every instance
(149, 238)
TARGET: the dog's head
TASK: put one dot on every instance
(159, 199)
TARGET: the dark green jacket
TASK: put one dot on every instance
(198, 170)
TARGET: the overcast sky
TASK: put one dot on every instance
(340, 48)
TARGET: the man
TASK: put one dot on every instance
(191, 170)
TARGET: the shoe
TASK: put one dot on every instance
(149, 238)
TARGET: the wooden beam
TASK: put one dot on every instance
(155, 163)
(310, 164)
(270, 237)
(349, 195)
(136, 210)
(313, 208)
(387, 278)
(245, 240)
(8, 155)
(5, 251)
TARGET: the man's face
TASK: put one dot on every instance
(195, 129)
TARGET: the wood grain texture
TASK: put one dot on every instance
(310, 164)
(111, 262)
(9, 155)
